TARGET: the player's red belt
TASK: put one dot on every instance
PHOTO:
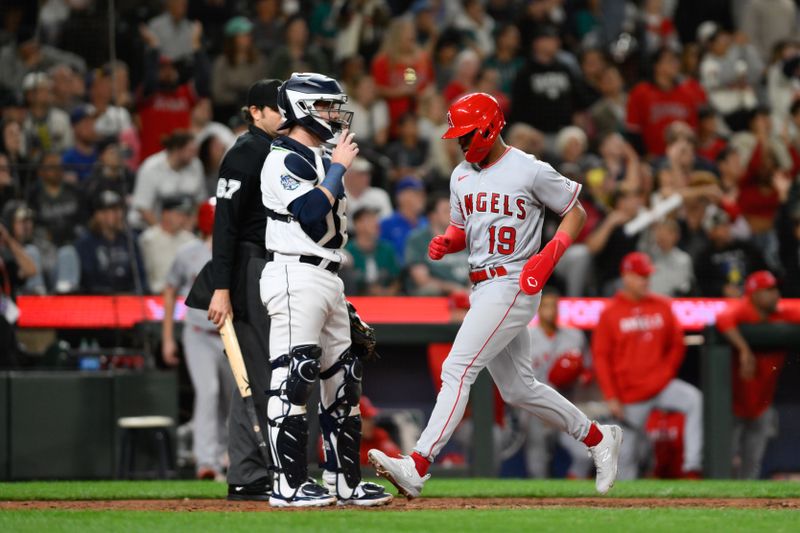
(476, 276)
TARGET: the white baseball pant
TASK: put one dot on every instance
(494, 335)
(306, 305)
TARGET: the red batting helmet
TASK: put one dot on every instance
(478, 112)
(565, 370)
(205, 216)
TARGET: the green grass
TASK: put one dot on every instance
(436, 488)
(539, 520)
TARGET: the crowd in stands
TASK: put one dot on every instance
(680, 118)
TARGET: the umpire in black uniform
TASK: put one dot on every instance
(238, 257)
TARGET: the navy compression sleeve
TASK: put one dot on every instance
(312, 207)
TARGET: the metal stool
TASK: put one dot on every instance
(158, 427)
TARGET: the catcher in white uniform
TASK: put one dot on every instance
(303, 194)
(497, 198)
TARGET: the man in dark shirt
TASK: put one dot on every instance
(110, 262)
(608, 242)
(58, 205)
(545, 93)
(238, 257)
(722, 267)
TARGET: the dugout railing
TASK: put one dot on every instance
(716, 367)
(22, 422)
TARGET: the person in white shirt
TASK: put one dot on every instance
(159, 244)
(111, 119)
(674, 274)
(174, 30)
(173, 171)
(360, 193)
(370, 113)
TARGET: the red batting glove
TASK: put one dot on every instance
(439, 247)
(540, 267)
(453, 240)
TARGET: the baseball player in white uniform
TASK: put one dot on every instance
(303, 193)
(497, 197)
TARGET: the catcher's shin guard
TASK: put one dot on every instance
(293, 378)
(340, 423)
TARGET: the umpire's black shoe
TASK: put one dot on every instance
(259, 490)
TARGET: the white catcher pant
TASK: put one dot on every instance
(306, 305)
(494, 335)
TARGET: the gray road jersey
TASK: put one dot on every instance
(545, 350)
(189, 260)
(501, 207)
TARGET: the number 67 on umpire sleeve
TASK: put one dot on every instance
(227, 188)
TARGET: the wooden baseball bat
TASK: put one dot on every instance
(234, 354)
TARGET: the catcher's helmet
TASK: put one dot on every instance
(296, 99)
(478, 112)
(205, 216)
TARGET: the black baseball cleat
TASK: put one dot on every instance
(257, 491)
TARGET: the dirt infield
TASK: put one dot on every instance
(401, 504)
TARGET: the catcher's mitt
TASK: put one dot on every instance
(362, 336)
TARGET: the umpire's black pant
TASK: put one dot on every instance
(251, 322)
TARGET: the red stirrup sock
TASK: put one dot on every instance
(594, 437)
(421, 464)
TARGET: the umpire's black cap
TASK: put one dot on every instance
(264, 93)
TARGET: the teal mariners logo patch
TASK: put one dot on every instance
(289, 183)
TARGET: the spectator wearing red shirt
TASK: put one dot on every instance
(164, 103)
(766, 176)
(402, 69)
(709, 142)
(638, 349)
(755, 375)
(654, 105)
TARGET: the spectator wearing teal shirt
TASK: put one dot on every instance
(435, 278)
(374, 269)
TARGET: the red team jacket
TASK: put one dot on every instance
(637, 347)
(753, 396)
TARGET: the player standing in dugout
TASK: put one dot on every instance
(238, 257)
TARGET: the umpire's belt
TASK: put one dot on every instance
(327, 264)
(476, 276)
(248, 249)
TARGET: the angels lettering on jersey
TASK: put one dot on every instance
(501, 207)
(291, 171)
